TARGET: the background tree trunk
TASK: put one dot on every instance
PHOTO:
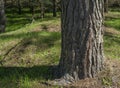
(2, 17)
(19, 7)
(82, 39)
(42, 9)
(105, 6)
(54, 8)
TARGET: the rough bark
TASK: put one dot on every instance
(2, 17)
(82, 39)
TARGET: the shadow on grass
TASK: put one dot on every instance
(112, 38)
(15, 22)
(35, 72)
(41, 40)
(28, 35)
(115, 9)
(112, 18)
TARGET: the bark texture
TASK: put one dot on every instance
(82, 39)
(2, 17)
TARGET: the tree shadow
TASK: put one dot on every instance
(42, 72)
(34, 34)
(112, 38)
(112, 18)
(37, 41)
(15, 22)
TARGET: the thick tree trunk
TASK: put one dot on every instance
(82, 39)
(2, 17)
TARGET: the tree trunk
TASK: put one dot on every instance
(42, 9)
(54, 8)
(2, 17)
(5, 1)
(106, 6)
(19, 7)
(82, 39)
(32, 9)
(31, 5)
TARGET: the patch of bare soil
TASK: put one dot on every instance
(13, 55)
(49, 28)
(108, 78)
(110, 31)
(111, 75)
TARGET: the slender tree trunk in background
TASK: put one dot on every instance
(42, 9)
(32, 10)
(5, 1)
(106, 6)
(82, 39)
(54, 8)
(31, 6)
(2, 17)
(19, 7)
(12, 7)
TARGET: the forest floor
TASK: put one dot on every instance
(28, 51)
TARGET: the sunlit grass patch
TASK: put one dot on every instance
(112, 46)
(112, 19)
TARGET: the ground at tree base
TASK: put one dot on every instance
(108, 78)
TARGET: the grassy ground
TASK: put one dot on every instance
(112, 35)
(28, 50)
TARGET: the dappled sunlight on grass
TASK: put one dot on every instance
(15, 22)
(112, 46)
(112, 19)
(29, 51)
(112, 37)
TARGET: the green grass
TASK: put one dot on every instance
(15, 21)
(112, 40)
(113, 20)
(112, 46)
(28, 53)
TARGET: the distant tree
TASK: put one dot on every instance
(2, 17)
(19, 6)
(106, 6)
(5, 1)
(42, 8)
(82, 39)
(54, 8)
(43, 4)
(114, 3)
(32, 9)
